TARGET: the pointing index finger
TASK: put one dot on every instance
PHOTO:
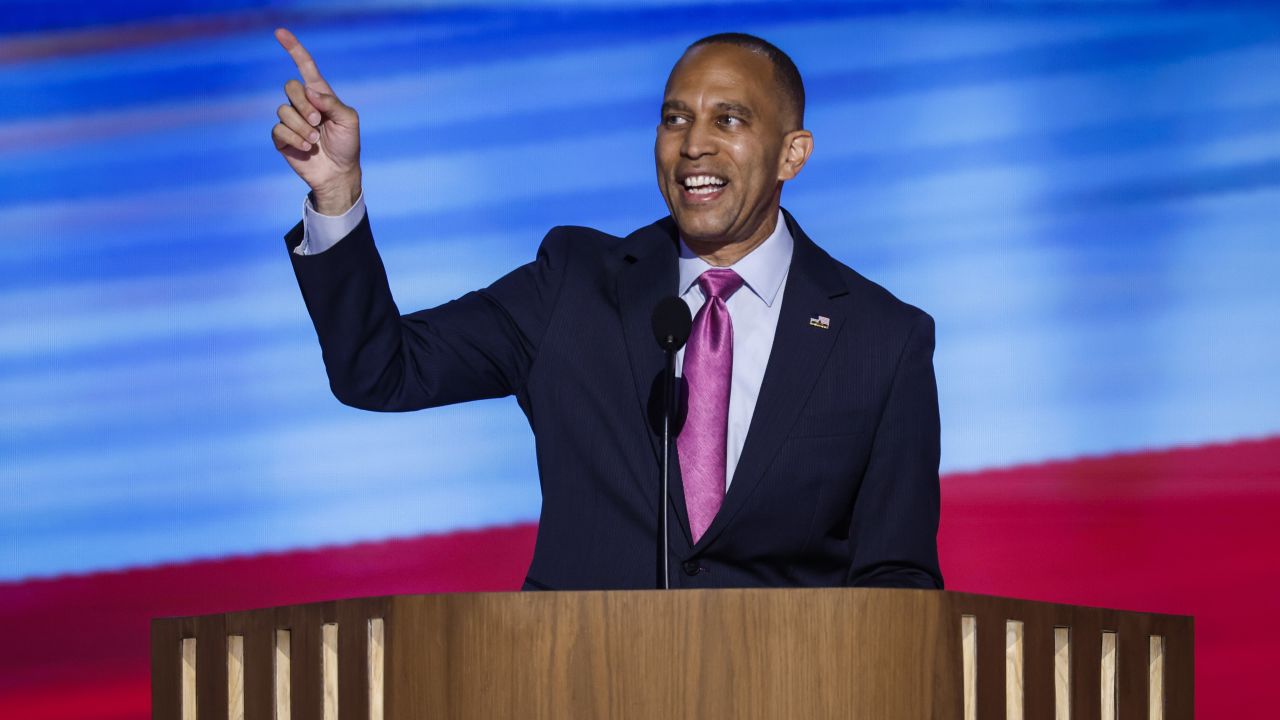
(306, 66)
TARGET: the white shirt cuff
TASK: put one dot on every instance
(321, 232)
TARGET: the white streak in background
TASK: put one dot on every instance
(1002, 409)
(463, 179)
(121, 311)
(460, 180)
(410, 186)
(1027, 371)
(347, 449)
(282, 375)
(490, 89)
(986, 297)
(624, 72)
(1025, 108)
(930, 205)
(243, 46)
(360, 477)
(188, 307)
(256, 296)
(281, 365)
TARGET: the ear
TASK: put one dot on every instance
(797, 145)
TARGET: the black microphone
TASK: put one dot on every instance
(671, 325)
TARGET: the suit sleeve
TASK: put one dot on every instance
(894, 530)
(481, 345)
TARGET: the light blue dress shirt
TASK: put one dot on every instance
(753, 309)
(321, 232)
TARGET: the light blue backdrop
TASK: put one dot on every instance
(1086, 196)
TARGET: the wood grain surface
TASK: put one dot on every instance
(1061, 673)
(235, 677)
(820, 653)
(1013, 666)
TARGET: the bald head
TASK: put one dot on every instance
(786, 76)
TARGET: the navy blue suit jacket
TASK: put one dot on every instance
(838, 479)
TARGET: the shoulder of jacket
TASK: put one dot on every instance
(582, 240)
(871, 295)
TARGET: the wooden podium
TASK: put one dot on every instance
(706, 654)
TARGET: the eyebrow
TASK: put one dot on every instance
(723, 106)
(737, 108)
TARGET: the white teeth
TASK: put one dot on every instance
(698, 181)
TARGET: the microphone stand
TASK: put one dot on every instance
(671, 326)
(668, 404)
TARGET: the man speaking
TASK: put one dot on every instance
(807, 446)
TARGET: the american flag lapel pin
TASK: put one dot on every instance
(820, 321)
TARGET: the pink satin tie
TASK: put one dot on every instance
(708, 375)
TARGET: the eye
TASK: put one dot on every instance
(673, 119)
(731, 120)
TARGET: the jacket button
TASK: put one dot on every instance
(691, 567)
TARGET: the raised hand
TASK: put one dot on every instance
(317, 134)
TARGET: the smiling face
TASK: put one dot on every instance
(725, 144)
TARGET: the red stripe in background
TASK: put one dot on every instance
(1186, 531)
(1189, 531)
(76, 648)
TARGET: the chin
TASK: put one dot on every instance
(699, 234)
(692, 225)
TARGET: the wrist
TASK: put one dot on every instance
(338, 197)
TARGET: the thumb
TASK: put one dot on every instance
(330, 106)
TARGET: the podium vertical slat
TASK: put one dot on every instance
(1014, 667)
(376, 667)
(1179, 668)
(1037, 670)
(353, 638)
(1062, 677)
(329, 671)
(188, 701)
(991, 650)
(258, 631)
(969, 665)
(1155, 677)
(211, 653)
(1132, 678)
(166, 669)
(282, 674)
(306, 688)
(235, 676)
(1086, 664)
(1107, 682)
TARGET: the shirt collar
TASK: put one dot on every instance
(763, 269)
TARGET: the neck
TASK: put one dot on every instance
(724, 253)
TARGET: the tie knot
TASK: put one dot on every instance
(719, 283)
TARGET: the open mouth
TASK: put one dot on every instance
(703, 187)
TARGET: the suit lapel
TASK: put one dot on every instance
(648, 273)
(799, 352)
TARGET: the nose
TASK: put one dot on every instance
(697, 140)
